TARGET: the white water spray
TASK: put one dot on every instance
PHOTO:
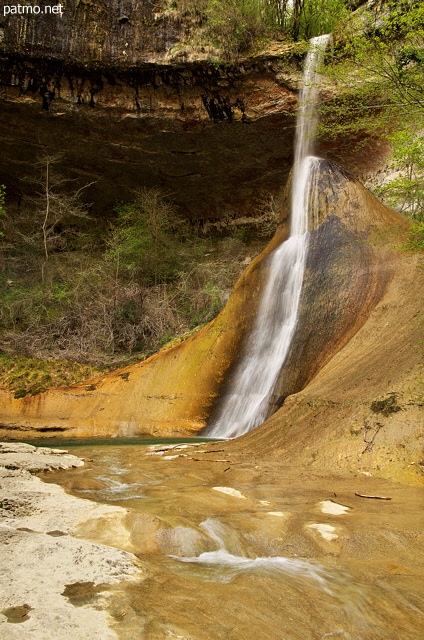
(228, 564)
(245, 405)
(223, 566)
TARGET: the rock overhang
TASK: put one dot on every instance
(128, 103)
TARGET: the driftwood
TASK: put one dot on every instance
(208, 460)
(213, 451)
(361, 495)
(370, 443)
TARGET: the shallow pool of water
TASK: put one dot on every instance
(142, 441)
(245, 550)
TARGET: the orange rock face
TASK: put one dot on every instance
(169, 394)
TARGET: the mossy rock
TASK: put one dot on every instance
(387, 406)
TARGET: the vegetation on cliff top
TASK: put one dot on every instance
(375, 89)
(237, 26)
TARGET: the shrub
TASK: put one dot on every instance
(156, 280)
(142, 242)
(405, 192)
(235, 26)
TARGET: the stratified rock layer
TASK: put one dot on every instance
(113, 88)
(116, 90)
(175, 391)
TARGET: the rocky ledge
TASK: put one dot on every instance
(54, 585)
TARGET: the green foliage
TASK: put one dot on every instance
(30, 376)
(405, 191)
(236, 26)
(378, 69)
(142, 240)
(387, 406)
(2, 209)
(310, 18)
(156, 280)
(416, 237)
(204, 289)
(2, 198)
(48, 219)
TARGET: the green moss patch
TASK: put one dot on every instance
(387, 406)
(31, 376)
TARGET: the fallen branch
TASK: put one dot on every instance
(213, 451)
(180, 446)
(360, 495)
(370, 443)
(208, 460)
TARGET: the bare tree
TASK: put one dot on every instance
(47, 223)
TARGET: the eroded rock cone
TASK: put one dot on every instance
(347, 271)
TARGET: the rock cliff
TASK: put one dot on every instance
(114, 89)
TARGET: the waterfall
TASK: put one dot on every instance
(245, 405)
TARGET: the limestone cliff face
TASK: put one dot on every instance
(94, 32)
(176, 391)
(113, 87)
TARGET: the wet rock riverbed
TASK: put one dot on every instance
(246, 549)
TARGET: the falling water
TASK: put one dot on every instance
(245, 405)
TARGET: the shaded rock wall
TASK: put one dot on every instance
(113, 87)
(98, 31)
(210, 170)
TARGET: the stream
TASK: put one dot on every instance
(239, 550)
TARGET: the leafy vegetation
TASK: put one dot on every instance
(377, 65)
(46, 222)
(309, 18)
(108, 297)
(142, 241)
(236, 26)
(2, 197)
(2, 209)
(387, 406)
(405, 190)
(377, 69)
(30, 376)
